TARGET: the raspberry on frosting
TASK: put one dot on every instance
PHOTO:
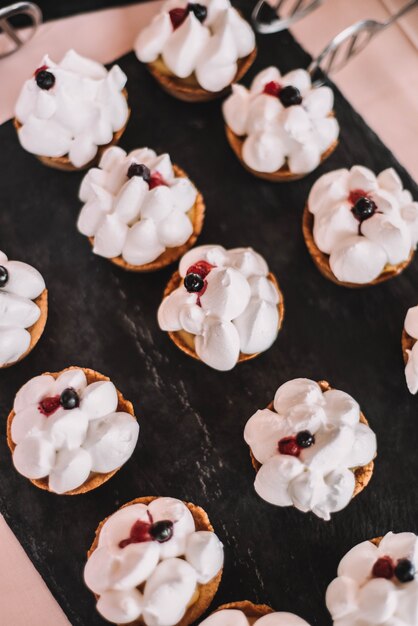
(308, 447)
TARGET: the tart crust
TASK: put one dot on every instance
(63, 162)
(321, 259)
(185, 341)
(362, 474)
(205, 593)
(408, 343)
(38, 327)
(249, 609)
(170, 255)
(95, 479)
(283, 175)
(188, 89)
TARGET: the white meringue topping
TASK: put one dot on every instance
(359, 250)
(359, 597)
(411, 369)
(236, 311)
(320, 479)
(276, 135)
(129, 217)
(235, 617)
(170, 570)
(81, 111)
(210, 49)
(18, 312)
(68, 445)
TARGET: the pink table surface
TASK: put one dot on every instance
(382, 84)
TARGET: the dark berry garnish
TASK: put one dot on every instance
(4, 276)
(289, 445)
(44, 78)
(49, 405)
(199, 10)
(272, 88)
(383, 568)
(305, 439)
(194, 282)
(177, 17)
(405, 571)
(139, 169)
(289, 96)
(156, 180)
(139, 533)
(162, 531)
(364, 208)
(69, 399)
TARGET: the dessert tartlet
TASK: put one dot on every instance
(154, 562)
(195, 51)
(360, 229)
(67, 113)
(283, 127)
(311, 447)
(69, 432)
(410, 349)
(222, 306)
(141, 212)
(247, 614)
(377, 583)
(23, 309)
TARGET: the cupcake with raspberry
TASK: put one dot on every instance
(410, 349)
(23, 309)
(377, 583)
(196, 50)
(67, 113)
(311, 447)
(247, 614)
(222, 306)
(71, 431)
(360, 229)
(282, 127)
(156, 561)
(140, 211)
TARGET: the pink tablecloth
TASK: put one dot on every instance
(382, 84)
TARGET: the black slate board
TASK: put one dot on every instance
(192, 417)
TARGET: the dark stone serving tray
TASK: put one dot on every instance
(192, 418)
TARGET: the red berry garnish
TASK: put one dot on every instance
(40, 69)
(156, 180)
(289, 445)
(201, 267)
(272, 88)
(49, 405)
(177, 16)
(383, 568)
(139, 533)
(356, 195)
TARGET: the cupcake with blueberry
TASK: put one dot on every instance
(23, 309)
(410, 349)
(155, 562)
(311, 447)
(282, 127)
(247, 614)
(140, 211)
(377, 583)
(71, 431)
(360, 229)
(195, 51)
(67, 113)
(222, 306)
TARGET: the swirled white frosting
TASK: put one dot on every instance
(68, 445)
(411, 369)
(210, 49)
(359, 598)
(169, 573)
(276, 135)
(17, 309)
(237, 312)
(320, 479)
(235, 617)
(129, 217)
(82, 110)
(359, 251)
